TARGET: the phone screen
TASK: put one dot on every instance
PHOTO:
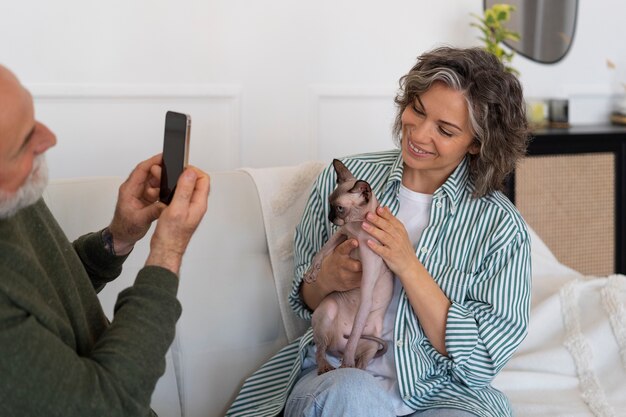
(175, 151)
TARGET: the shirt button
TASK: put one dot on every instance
(407, 397)
(424, 249)
(399, 343)
(439, 205)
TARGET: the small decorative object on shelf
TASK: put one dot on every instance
(558, 116)
(618, 116)
(547, 112)
(537, 112)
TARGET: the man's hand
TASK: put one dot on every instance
(137, 205)
(179, 220)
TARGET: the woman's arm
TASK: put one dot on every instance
(475, 337)
(339, 272)
(429, 302)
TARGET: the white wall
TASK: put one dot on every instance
(271, 82)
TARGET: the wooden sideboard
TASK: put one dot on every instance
(571, 188)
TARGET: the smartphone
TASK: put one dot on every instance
(175, 152)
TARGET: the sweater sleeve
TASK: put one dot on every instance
(101, 266)
(43, 374)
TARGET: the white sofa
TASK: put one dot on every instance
(231, 321)
(233, 291)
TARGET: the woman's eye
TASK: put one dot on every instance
(417, 110)
(444, 132)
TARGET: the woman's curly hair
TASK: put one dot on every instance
(495, 101)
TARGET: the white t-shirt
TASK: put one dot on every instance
(414, 213)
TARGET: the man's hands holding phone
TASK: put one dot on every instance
(138, 206)
(179, 220)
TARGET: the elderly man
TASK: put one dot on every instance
(59, 355)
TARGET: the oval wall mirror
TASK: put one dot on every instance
(546, 27)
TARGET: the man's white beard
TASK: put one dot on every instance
(27, 194)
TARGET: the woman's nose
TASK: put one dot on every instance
(418, 132)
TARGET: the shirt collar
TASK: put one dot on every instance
(395, 175)
(457, 183)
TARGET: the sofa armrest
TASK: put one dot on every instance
(231, 322)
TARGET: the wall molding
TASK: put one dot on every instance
(99, 91)
(226, 96)
(319, 93)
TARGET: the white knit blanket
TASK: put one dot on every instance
(573, 362)
(283, 192)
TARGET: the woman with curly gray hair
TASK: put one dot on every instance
(458, 248)
(495, 105)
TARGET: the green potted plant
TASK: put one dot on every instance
(494, 32)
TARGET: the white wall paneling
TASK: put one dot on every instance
(104, 75)
(345, 120)
(110, 128)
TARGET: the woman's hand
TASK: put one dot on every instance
(339, 272)
(429, 302)
(391, 241)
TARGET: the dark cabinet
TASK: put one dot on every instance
(571, 189)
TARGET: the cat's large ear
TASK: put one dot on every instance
(343, 173)
(363, 188)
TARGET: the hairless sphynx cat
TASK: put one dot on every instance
(349, 324)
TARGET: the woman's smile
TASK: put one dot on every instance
(417, 151)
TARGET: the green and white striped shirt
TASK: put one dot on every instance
(477, 250)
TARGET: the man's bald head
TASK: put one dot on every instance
(8, 80)
(23, 142)
(12, 95)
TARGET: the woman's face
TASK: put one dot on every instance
(436, 136)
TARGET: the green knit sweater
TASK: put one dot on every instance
(59, 356)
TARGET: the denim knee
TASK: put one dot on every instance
(347, 380)
(344, 391)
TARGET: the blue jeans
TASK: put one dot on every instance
(347, 392)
